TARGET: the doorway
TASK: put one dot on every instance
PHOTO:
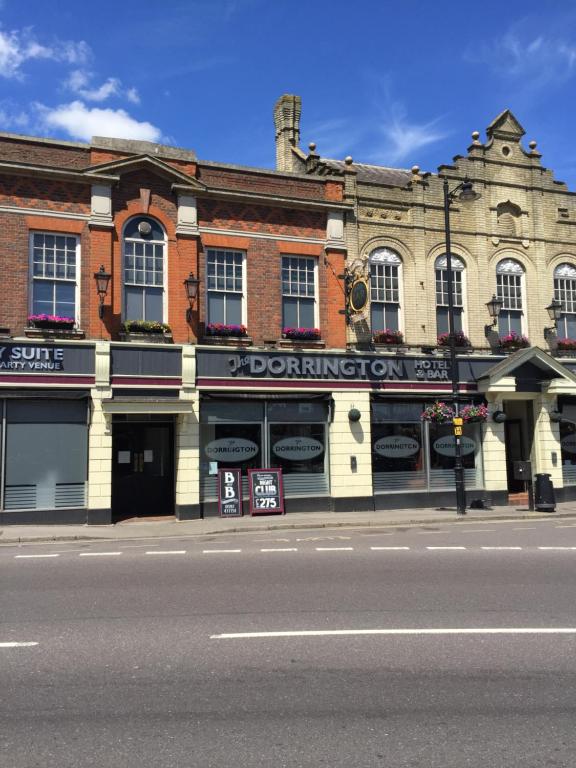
(142, 469)
(518, 431)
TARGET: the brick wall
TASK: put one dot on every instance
(38, 153)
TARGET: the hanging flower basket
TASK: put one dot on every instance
(51, 322)
(307, 334)
(460, 340)
(145, 326)
(513, 341)
(566, 344)
(220, 329)
(438, 413)
(388, 336)
(474, 413)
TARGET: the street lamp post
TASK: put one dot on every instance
(466, 194)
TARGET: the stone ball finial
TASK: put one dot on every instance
(475, 135)
(415, 170)
(312, 146)
(348, 160)
(533, 144)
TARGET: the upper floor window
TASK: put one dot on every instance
(225, 285)
(144, 249)
(385, 281)
(510, 289)
(565, 293)
(299, 292)
(54, 274)
(441, 273)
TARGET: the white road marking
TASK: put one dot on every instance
(388, 549)
(219, 551)
(445, 548)
(99, 554)
(30, 557)
(416, 632)
(501, 548)
(525, 528)
(166, 552)
(16, 645)
(280, 549)
(429, 533)
(565, 526)
(480, 530)
(334, 549)
(560, 548)
(325, 538)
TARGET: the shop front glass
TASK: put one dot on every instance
(568, 449)
(249, 434)
(411, 455)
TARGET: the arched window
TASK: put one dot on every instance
(510, 289)
(385, 281)
(565, 292)
(441, 271)
(144, 251)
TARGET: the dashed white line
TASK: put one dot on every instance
(334, 549)
(166, 552)
(410, 631)
(34, 557)
(505, 549)
(389, 549)
(99, 554)
(444, 548)
(525, 528)
(220, 551)
(564, 549)
(479, 530)
(17, 645)
(280, 549)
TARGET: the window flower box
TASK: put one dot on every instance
(438, 413)
(460, 340)
(51, 322)
(388, 336)
(474, 414)
(220, 329)
(566, 345)
(513, 341)
(301, 334)
(147, 331)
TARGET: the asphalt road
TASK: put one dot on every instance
(450, 646)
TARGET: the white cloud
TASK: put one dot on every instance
(82, 122)
(12, 118)
(79, 82)
(18, 47)
(403, 139)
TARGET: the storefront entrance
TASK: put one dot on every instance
(142, 469)
(518, 431)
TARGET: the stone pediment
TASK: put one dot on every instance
(528, 370)
(505, 126)
(153, 164)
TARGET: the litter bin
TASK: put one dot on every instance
(544, 493)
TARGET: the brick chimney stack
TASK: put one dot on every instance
(287, 130)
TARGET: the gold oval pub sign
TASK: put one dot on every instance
(358, 295)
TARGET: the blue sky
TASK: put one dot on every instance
(397, 83)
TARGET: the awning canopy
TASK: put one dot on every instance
(528, 372)
(147, 405)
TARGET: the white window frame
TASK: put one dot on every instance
(32, 279)
(564, 281)
(388, 256)
(244, 311)
(458, 266)
(511, 266)
(164, 268)
(316, 302)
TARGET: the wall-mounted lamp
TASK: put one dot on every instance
(554, 310)
(494, 306)
(499, 417)
(191, 287)
(555, 416)
(102, 281)
(354, 414)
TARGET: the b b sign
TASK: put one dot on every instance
(230, 492)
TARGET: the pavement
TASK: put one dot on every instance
(144, 528)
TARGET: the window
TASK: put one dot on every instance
(144, 260)
(510, 288)
(54, 274)
(298, 292)
(385, 267)
(441, 270)
(225, 284)
(565, 292)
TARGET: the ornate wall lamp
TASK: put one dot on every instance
(191, 287)
(494, 306)
(102, 281)
(554, 310)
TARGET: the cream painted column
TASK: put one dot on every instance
(546, 440)
(351, 488)
(100, 442)
(188, 442)
(494, 449)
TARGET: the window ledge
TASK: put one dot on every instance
(301, 344)
(54, 333)
(228, 341)
(146, 338)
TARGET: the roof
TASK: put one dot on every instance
(377, 174)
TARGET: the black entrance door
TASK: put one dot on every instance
(143, 469)
(514, 452)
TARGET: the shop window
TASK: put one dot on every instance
(54, 271)
(565, 293)
(299, 292)
(510, 289)
(46, 455)
(225, 285)
(385, 282)
(441, 274)
(568, 452)
(442, 452)
(144, 252)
